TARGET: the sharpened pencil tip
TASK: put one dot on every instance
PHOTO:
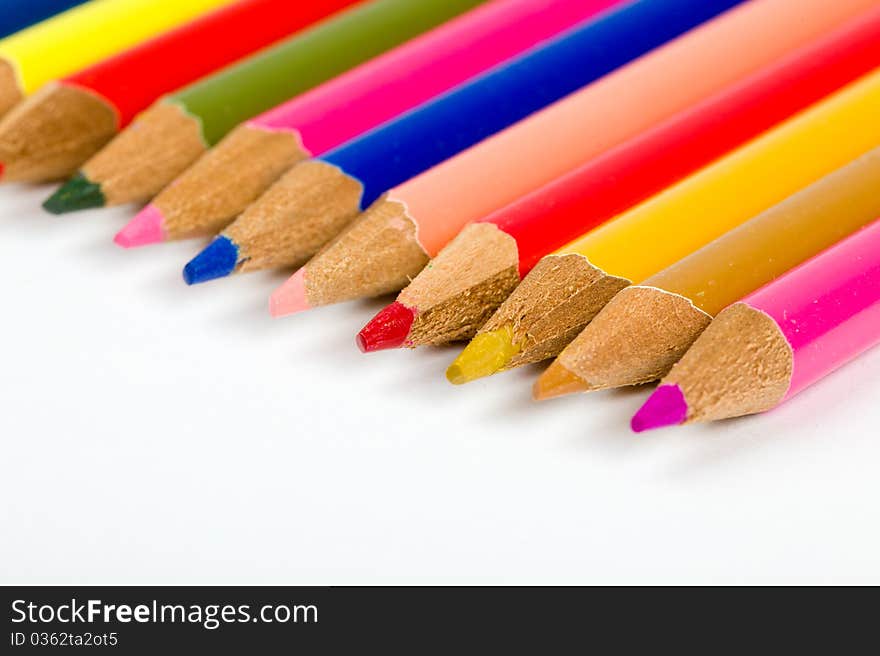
(487, 354)
(291, 297)
(145, 228)
(558, 381)
(387, 330)
(665, 407)
(217, 260)
(78, 193)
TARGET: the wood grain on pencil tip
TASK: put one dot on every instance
(359, 100)
(58, 128)
(779, 340)
(357, 259)
(214, 106)
(552, 216)
(481, 263)
(285, 227)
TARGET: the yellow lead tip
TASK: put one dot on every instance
(487, 354)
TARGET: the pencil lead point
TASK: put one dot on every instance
(487, 354)
(558, 381)
(387, 330)
(217, 260)
(665, 407)
(78, 193)
(145, 228)
(291, 297)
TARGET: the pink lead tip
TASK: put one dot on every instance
(665, 407)
(143, 229)
(290, 298)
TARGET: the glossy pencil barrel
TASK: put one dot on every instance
(448, 125)
(828, 309)
(88, 33)
(582, 200)
(223, 100)
(423, 68)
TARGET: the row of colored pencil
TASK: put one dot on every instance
(641, 190)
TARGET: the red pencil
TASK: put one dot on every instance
(54, 131)
(470, 278)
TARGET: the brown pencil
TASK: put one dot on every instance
(645, 329)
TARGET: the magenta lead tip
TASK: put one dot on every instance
(665, 407)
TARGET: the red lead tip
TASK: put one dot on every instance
(388, 329)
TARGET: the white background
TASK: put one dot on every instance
(155, 433)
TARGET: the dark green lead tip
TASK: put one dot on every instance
(78, 193)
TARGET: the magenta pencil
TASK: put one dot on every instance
(775, 343)
(252, 157)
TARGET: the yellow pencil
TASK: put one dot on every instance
(562, 294)
(82, 36)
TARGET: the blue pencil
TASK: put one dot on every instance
(16, 15)
(417, 141)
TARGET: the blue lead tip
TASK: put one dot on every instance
(216, 261)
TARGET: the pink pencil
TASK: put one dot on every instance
(778, 341)
(252, 157)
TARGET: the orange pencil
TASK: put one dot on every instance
(391, 242)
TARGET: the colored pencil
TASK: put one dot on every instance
(82, 36)
(54, 131)
(403, 148)
(178, 129)
(473, 274)
(353, 175)
(386, 247)
(15, 16)
(779, 341)
(213, 192)
(645, 329)
(560, 296)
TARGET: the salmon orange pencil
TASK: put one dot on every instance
(473, 274)
(382, 250)
(777, 342)
(563, 293)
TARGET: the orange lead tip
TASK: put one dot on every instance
(558, 381)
